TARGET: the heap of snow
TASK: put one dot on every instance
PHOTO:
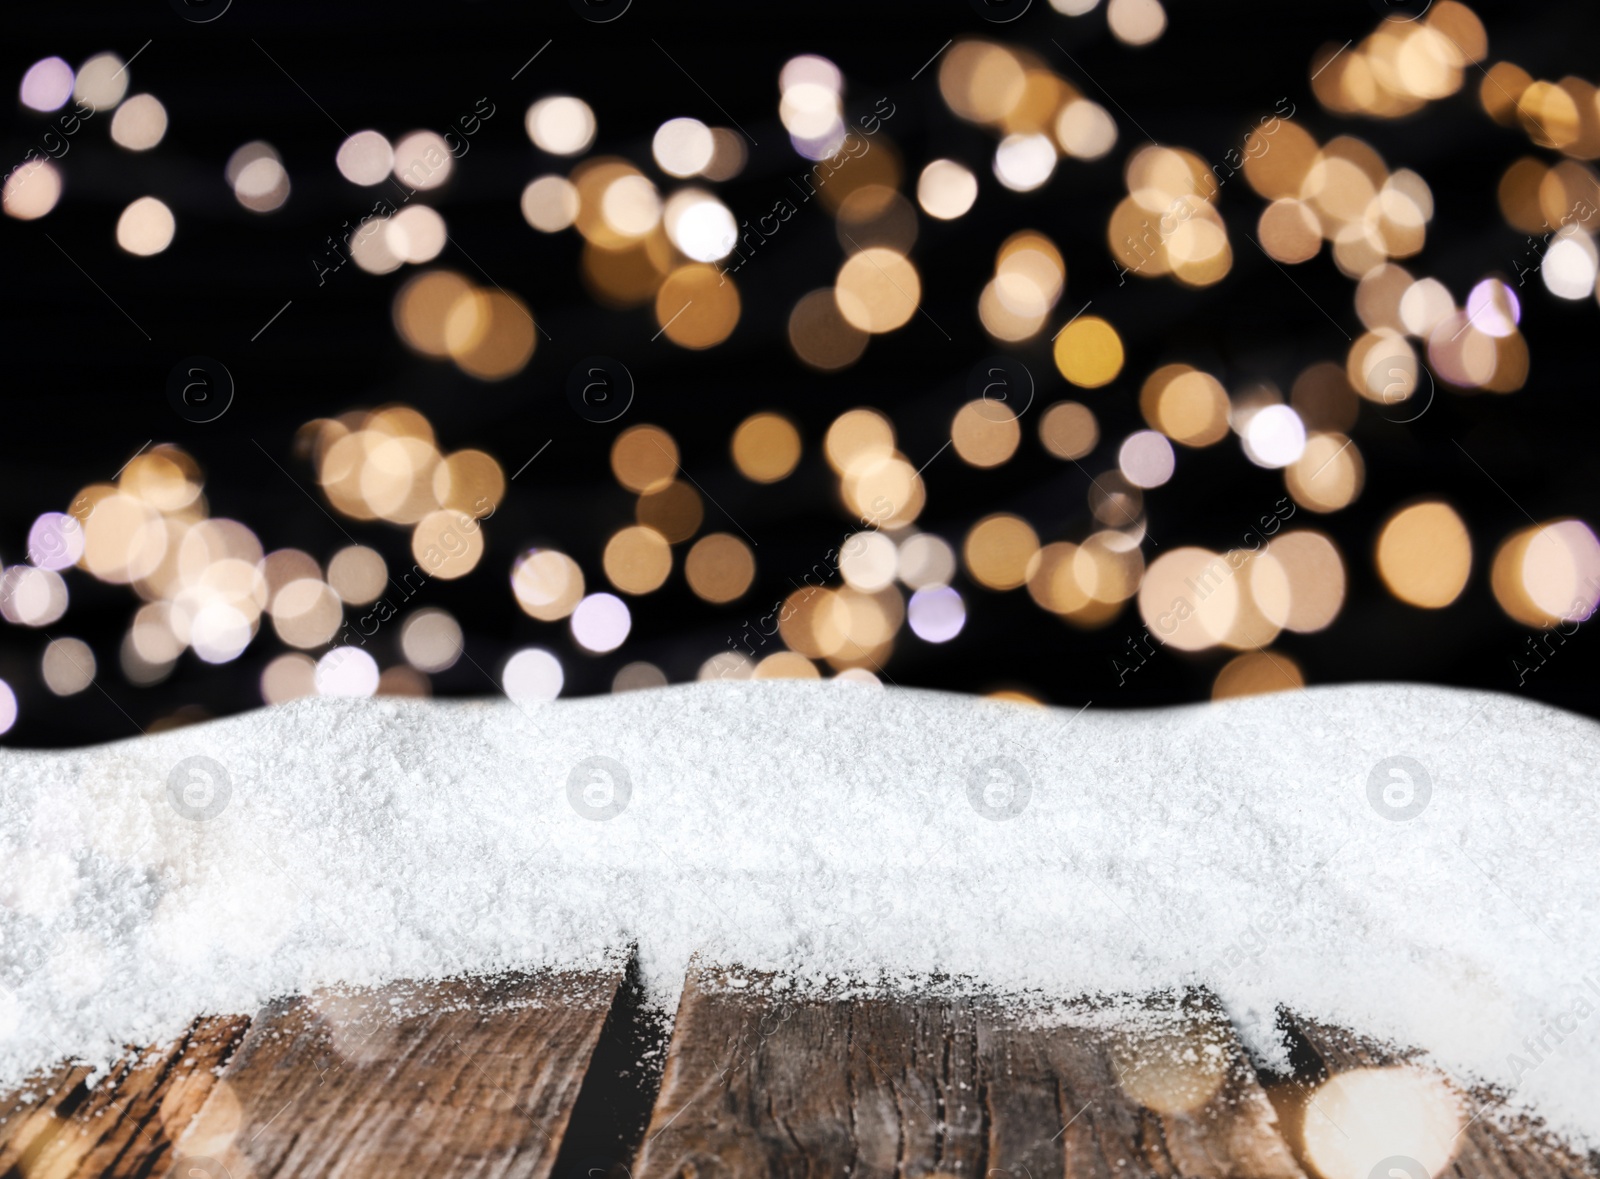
(1417, 863)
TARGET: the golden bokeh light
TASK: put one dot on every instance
(697, 306)
(858, 436)
(1323, 398)
(629, 275)
(674, 510)
(281, 566)
(883, 489)
(291, 676)
(1548, 573)
(875, 215)
(877, 290)
(998, 549)
(357, 574)
(306, 613)
(785, 665)
(469, 481)
(547, 584)
(1185, 404)
(1172, 1067)
(1298, 581)
(644, 458)
(1085, 129)
(985, 433)
(1289, 232)
(719, 568)
(1257, 673)
(1068, 430)
(637, 559)
(821, 336)
(1424, 555)
(1088, 352)
(1502, 84)
(814, 621)
(766, 447)
(1276, 161)
(1189, 598)
(1251, 627)
(422, 307)
(447, 544)
(1328, 475)
(489, 334)
(980, 81)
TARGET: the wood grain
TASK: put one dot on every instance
(1487, 1149)
(761, 1081)
(126, 1124)
(472, 1076)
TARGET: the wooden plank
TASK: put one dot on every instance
(467, 1076)
(125, 1125)
(762, 1081)
(1486, 1149)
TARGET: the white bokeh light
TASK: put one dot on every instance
(55, 541)
(532, 675)
(936, 613)
(1275, 437)
(47, 85)
(1569, 267)
(683, 147)
(1024, 162)
(365, 158)
(601, 622)
(1146, 459)
(346, 671)
(219, 633)
(561, 125)
(700, 225)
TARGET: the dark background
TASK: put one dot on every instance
(83, 388)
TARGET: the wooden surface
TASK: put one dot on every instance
(1484, 1150)
(125, 1125)
(517, 1075)
(760, 1083)
(462, 1077)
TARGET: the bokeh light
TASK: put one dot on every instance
(1088, 352)
(561, 125)
(1424, 555)
(140, 123)
(365, 158)
(601, 623)
(47, 85)
(532, 676)
(68, 666)
(766, 447)
(146, 227)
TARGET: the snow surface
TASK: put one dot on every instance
(835, 830)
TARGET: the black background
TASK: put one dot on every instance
(84, 388)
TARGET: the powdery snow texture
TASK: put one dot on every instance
(1259, 847)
